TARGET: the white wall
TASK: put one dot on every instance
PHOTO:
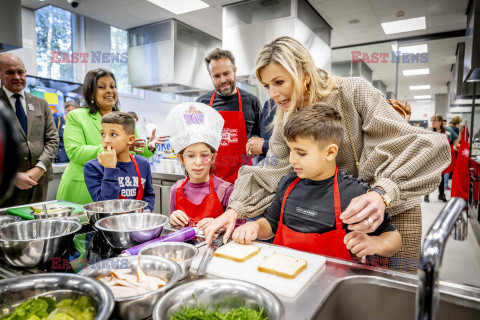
(422, 110)
(28, 53)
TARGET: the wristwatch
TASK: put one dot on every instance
(386, 199)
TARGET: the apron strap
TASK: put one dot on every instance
(289, 189)
(239, 99)
(140, 185)
(336, 200)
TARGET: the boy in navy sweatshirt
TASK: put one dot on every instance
(116, 173)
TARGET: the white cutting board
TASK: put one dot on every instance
(247, 270)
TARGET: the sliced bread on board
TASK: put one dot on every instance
(282, 265)
(237, 252)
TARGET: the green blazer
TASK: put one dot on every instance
(82, 141)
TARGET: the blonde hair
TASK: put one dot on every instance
(294, 57)
(455, 121)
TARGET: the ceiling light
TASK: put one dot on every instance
(180, 6)
(404, 25)
(354, 21)
(424, 87)
(424, 101)
(427, 96)
(414, 72)
(420, 48)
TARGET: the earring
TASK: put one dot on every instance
(305, 85)
(92, 102)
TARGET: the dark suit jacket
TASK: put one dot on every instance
(41, 141)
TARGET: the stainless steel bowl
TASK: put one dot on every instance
(29, 243)
(101, 209)
(128, 230)
(65, 212)
(138, 307)
(175, 251)
(8, 219)
(225, 294)
(58, 286)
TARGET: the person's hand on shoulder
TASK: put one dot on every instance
(361, 244)
(108, 158)
(179, 218)
(364, 213)
(246, 233)
(226, 220)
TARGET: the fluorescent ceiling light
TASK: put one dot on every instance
(422, 97)
(414, 72)
(180, 6)
(404, 25)
(424, 101)
(424, 87)
(421, 48)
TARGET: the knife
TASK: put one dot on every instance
(218, 242)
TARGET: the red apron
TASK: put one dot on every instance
(140, 185)
(231, 153)
(461, 173)
(328, 243)
(210, 207)
(449, 169)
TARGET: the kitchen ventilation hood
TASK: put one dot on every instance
(11, 25)
(472, 43)
(247, 26)
(169, 57)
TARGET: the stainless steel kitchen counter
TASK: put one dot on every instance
(336, 273)
(327, 288)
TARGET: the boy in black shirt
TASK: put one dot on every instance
(305, 213)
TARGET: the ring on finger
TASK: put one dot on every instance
(370, 221)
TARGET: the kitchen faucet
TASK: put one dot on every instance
(452, 217)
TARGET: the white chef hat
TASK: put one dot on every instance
(193, 122)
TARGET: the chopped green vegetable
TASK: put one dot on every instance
(45, 308)
(202, 313)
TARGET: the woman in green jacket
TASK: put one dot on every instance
(82, 137)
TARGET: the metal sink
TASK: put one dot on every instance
(372, 298)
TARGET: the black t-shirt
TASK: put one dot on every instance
(250, 108)
(310, 206)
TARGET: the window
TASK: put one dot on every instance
(119, 45)
(54, 44)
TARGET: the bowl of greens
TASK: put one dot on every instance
(219, 299)
(54, 296)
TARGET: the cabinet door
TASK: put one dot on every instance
(165, 202)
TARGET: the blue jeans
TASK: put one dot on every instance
(446, 176)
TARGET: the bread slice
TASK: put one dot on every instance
(237, 252)
(282, 265)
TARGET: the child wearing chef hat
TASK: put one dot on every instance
(195, 131)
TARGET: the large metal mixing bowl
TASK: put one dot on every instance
(128, 230)
(101, 209)
(58, 286)
(225, 294)
(30, 243)
(141, 306)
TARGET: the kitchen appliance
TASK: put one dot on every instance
(168, 56)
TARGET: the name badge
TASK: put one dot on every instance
(30, 107)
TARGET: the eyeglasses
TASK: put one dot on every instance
(192, 158)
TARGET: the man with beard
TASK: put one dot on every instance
(239, 109)
(36, 131)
